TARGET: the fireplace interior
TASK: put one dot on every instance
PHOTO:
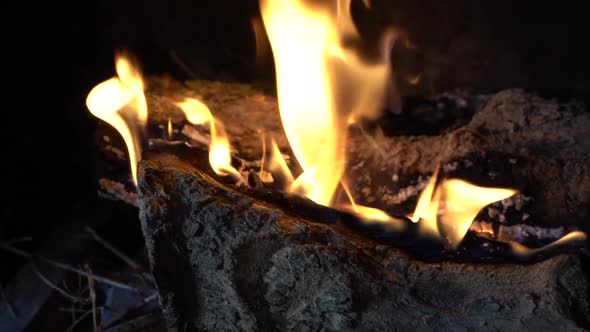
(486, 109)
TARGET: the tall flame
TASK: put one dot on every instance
(197, 112)
(448, 209)
(121, 103)
(321, 86)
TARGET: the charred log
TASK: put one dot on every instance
(223, 260)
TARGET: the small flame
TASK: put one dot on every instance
(278, 165)
(427, 207)
(369, 214)
(262, 46)
(525, 252)
(375, 216)
(321, 86)
(170, 129)
(121, 103)
(447, 210)
(198, 113)
(463, 201)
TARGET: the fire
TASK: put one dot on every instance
(170, 129)
(278, 165)
(448, 209)
(322, 85)
(197, 112)
(525, 252)
(371, 215)
(121, 103)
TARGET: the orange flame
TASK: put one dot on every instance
(321, 86)
(121, 103)
(371, 215)
(278, 165)
(197, 112)
(447, 210)
(170, 129)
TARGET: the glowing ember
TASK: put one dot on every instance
(219, 150)
(414, 80)
(321, 86)
(447, 210)
(121, 103)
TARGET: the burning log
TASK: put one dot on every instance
(224, 260)
(511, 139)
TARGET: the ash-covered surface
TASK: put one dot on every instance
(514, 140)
(225, 261)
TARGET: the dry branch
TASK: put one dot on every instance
(67, 267)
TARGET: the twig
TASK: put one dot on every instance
(52, 285)
(20, 239)
(77, 321)
(66, 267)
(71, 309)
(187, 70)
(7, 303)
(114, 250)
(92, 295)
(151, 298)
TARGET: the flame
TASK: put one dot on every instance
(262, 46)
(321, 86)
(447, 210)
(463, 201)
(197, 112)
(427, 207)
(525, 252)
(121, 103)
(278, 165)
(369, 214)
(170, 129)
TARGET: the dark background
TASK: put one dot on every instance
(58, 52)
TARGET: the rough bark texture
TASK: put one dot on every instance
(226, 262)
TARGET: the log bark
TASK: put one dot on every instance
(224, 261)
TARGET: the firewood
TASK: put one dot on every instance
(226, 261)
